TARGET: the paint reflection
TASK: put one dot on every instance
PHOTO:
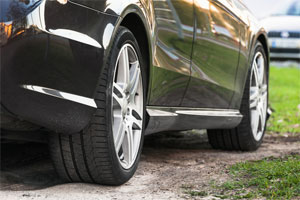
(175, 27)
(215, 56)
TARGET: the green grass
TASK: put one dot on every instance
(194, 193)
(285, 100)
(271, 178)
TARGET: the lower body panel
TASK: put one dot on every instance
(178, 119)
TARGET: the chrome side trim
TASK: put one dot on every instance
(176, 119)
(62, 95)
(160, 113)
(174, 111)
(214, 113)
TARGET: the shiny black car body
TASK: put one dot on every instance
(198, 54)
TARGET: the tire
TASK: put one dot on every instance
(91, 156)
(248, 137)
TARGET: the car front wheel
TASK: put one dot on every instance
(108, 151)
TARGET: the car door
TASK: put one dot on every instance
(215, 55)
(172, 51)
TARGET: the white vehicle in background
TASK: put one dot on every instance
(283, 28)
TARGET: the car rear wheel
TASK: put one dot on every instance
(108, 150)
(249, 134)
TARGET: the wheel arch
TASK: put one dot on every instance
(263, 39)
(134, 18)
(139, 32)
(257, 35)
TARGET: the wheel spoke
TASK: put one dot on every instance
(264, 89)
(264, 97)
(123, 68)
(261, 69)
(254, 120)
(262, 111)
(118, 90)
(130, 144)
(254, 94)
(135, 79)
(134, 72)
(253, 104)
(255, 74)
(264, 103)
(119, 135)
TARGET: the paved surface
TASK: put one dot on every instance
(168, 162)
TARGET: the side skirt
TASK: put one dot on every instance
(177, 119)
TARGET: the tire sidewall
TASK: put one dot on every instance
(123, 36)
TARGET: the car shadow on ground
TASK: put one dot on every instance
(27, 166)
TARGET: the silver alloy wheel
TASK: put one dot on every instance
(258, 96)
(127, 107)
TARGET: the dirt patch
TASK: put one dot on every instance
(170, 162)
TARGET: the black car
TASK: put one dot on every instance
(97, 75)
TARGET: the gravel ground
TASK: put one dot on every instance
(170, 161)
